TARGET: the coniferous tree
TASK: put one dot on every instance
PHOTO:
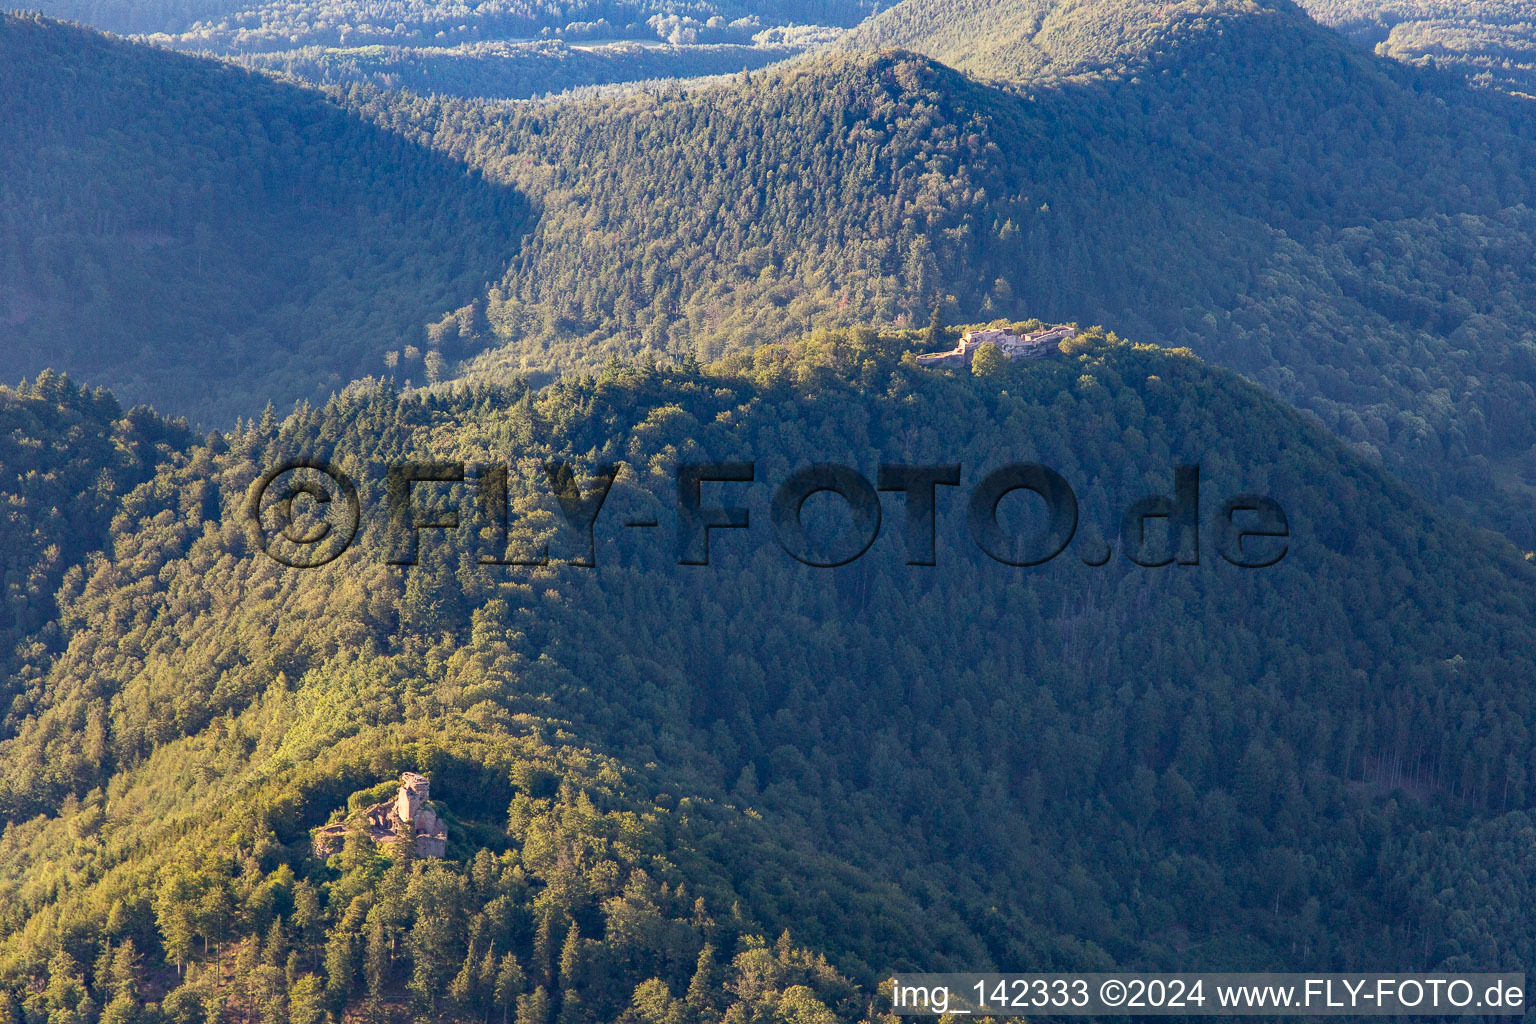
(935, 336)
(510, 983)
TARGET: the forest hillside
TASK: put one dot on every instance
(649, 771)
(199, 235)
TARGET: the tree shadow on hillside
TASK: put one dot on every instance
(207, 239)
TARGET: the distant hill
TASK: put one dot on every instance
(1232, 177)
(196, 234)
(1228, 176)
(1163, 768)
(1041, 40)
(1492, 42)
(513, 70)
(265, 25)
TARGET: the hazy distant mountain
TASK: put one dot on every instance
(1491, 42)
(263, 25)
(196, 234)
(515, 70)
(1232, 177)
(1041, 39)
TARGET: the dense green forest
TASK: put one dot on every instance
(515, 70)
(742, 792)
(1039, 41)
(68, 455)
(1491, 42)
(651, 771)
(1251, 187)
(1226, 175)
(200, 235)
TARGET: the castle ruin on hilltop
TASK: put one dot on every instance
(1034, 345)
(386, 822)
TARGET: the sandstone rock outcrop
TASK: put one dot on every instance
(386, 822)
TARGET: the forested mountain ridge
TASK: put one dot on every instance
(1492, 42)
(1259, 191)
(1041, 40)
(68, 455)
(512, 70)
(632, 797)
(265, 25)
(194, 233)
(739, 793)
